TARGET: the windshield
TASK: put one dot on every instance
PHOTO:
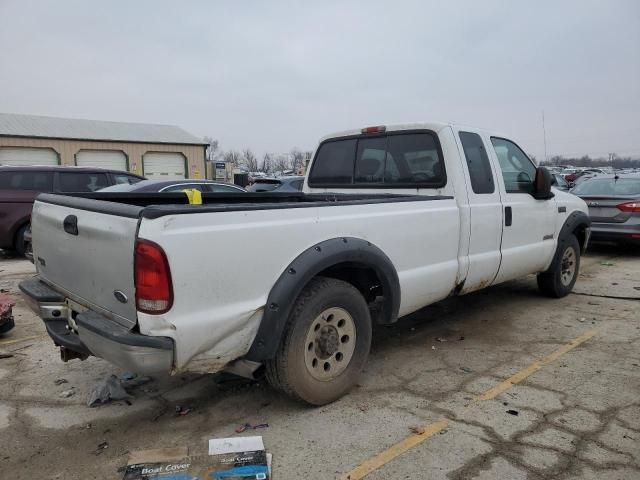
(609, 186)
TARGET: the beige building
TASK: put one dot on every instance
(155, 151)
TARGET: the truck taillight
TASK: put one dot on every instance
(154, 293)
(633, 207)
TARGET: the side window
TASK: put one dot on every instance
(414, 159)
(186, 186)
(222, 188)
(477, 162)
(334, 163)
(82, 181)
(518, 171)
(120, 179)
(27, 180)
(370, 160)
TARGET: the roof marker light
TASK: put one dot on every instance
(377, 129)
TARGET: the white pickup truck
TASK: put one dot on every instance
(391, 219)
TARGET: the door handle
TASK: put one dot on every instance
(508, 216)
(70, 224)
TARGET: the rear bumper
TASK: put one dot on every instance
(616, 231)
(95, 334)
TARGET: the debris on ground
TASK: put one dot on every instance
(6, 313)
(466, 370)
(581, 319)
(133, 381)
(6, 355)
(513, 412)
(607, 264)
(67, 393)
(440, 339)
(60, 381)
(417, 430)
(248, 426)
(182, 410)
(101, 448)
(107, 390)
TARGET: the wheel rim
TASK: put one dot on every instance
(330, 343)
(568, 266)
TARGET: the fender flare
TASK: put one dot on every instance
(306, 266)
(575, 220)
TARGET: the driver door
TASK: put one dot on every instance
(528, 224)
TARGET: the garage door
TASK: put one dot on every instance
(113, 160)
(163, 166)
(28, 156)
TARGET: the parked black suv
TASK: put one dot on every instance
(19, 186)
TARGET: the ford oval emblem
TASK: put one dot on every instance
(120, 296)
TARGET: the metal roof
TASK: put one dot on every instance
(12, 124)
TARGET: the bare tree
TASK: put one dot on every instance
(213, 148)
(281, 163)
(297, 158)
(233, 158)
(249, 160)
(266, 163)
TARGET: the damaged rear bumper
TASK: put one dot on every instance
(90, 333)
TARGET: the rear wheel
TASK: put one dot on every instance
(561, 276)
(326, 343)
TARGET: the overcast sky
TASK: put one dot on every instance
(273, 75)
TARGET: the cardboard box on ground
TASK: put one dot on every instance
(239, 458)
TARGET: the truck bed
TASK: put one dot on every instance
(155, 205)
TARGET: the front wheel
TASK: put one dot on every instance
(326, 343)
(561, 276)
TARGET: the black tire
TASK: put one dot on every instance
(21, 245)
(561, 276)
(291, 370)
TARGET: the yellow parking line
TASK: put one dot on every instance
(394, 451)
(17, 340)
(535, 366)
(411, 441)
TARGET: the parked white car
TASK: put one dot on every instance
(391, 219)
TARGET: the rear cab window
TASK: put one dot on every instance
(27, 180)
(403, 159)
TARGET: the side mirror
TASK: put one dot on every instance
(542, 184)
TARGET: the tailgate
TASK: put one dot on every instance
(90, 263)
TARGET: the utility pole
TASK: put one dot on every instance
(544, 136)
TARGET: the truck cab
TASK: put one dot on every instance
(507, 227)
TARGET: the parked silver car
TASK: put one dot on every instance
(614, 206)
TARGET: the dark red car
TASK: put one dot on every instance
(19, 186)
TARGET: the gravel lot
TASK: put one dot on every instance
(571, 411)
